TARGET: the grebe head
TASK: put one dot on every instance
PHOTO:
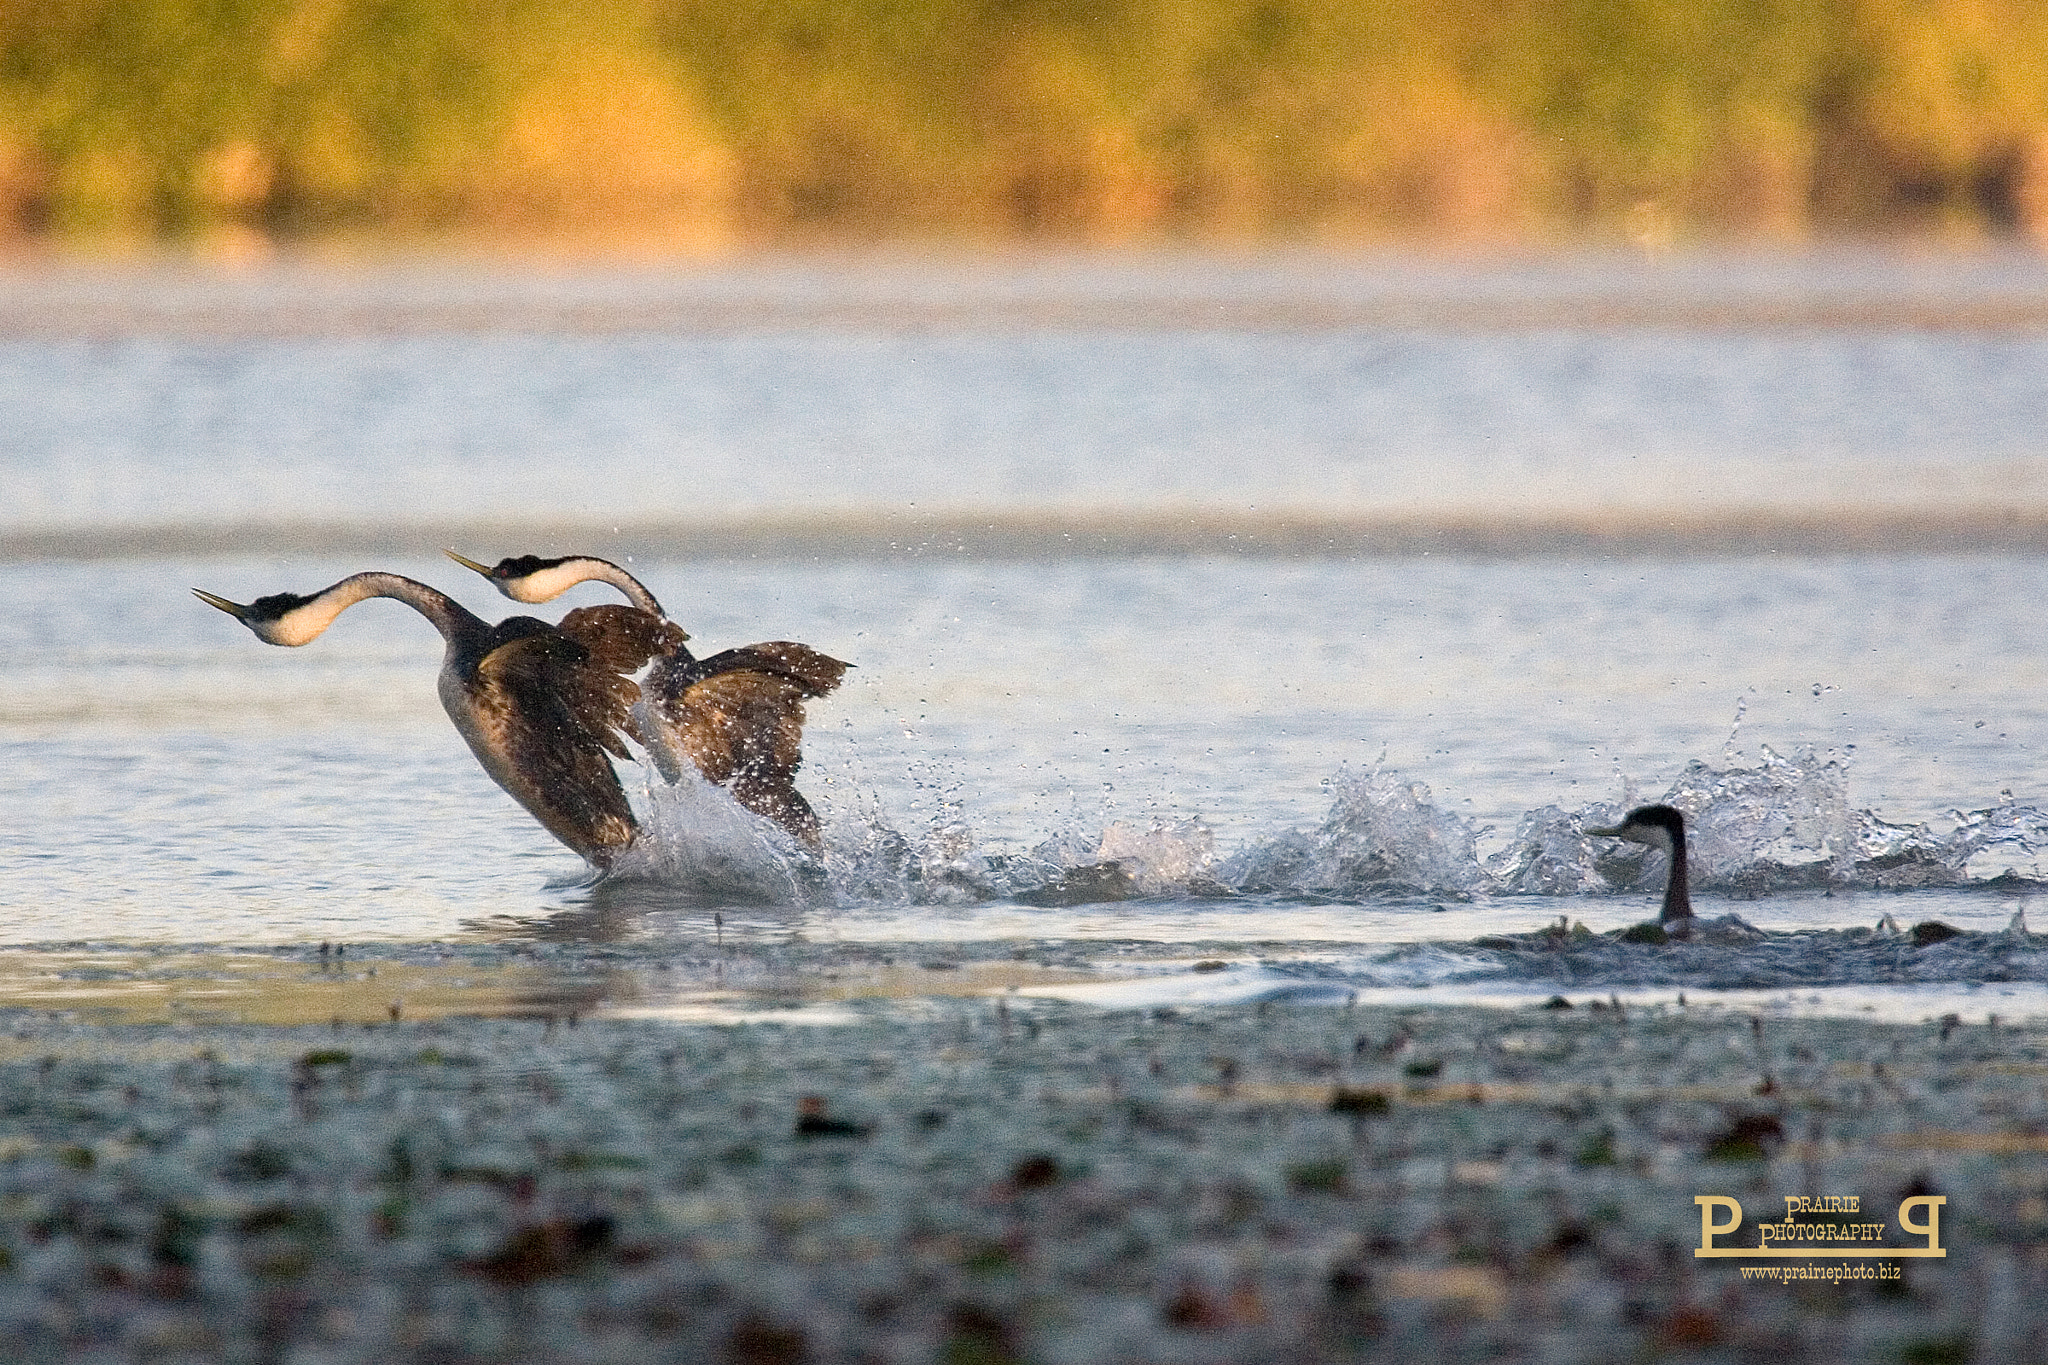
(526, 578)
(533, 580)
(283, 618)
(1658, 826)
(1661, 827)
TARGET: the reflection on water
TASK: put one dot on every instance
(789, 980)
(150, 986)
(634, 909)
(370, 988)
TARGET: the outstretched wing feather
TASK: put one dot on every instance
(614, 641)
(622, 639)
(814, 673)
(740, 721)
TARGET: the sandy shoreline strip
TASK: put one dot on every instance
(958, 1179)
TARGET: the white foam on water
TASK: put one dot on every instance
(1783, 825)
(695, 837)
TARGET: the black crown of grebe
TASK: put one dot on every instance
(737, 717)
(542, 707)
(1661, 827)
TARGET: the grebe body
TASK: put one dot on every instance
(737, 717)
(540, 706)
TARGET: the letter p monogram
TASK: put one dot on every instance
(1930, 1227)
(1709, 1229)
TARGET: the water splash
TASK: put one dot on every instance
(1163, 856)
(871, 862)
(1382, 836)
(695, 836)
(1783, 823)
(1548, 856)
(2004, 843)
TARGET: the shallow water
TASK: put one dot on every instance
(1281, 754)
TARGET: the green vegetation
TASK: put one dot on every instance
(700, 121)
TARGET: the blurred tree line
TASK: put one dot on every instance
(701, 121)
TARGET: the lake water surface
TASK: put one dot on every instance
(1332, 769)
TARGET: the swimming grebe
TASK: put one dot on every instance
(1660, 827)
(540, 706)
(737, 716)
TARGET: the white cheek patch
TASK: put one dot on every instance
(301, 625)
(548, 584)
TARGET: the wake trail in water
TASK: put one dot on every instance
(1783, 825)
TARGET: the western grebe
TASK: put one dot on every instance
(540, 706)
(1661, 827)
(737, 716)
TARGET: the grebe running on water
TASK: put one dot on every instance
(737, 716)
(1661, 827)
(540, 706)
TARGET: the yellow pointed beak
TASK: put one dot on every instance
(483, 569)
(234, 609)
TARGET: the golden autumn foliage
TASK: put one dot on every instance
(689, 122)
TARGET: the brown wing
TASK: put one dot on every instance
(815, 673)
(740, 720)
(617, 641)
(744, 730)
(622, 639)
(549, 717)
(739, 716)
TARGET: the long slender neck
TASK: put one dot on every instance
(1677, 900)
(304, 623)
(588, 569)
